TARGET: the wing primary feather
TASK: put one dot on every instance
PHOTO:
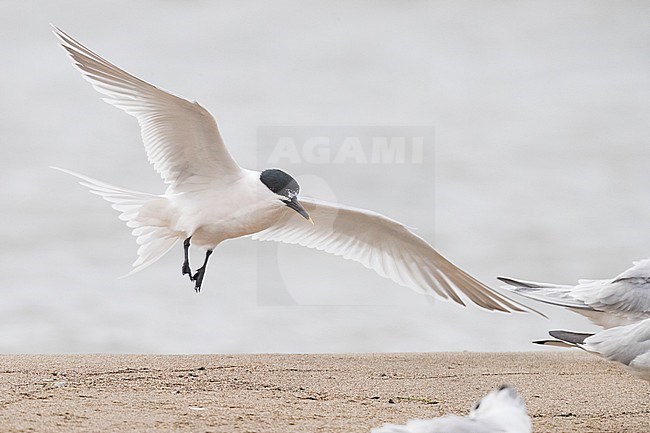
(486, 296)
(446, 285)
(180, 137)
(388, 248)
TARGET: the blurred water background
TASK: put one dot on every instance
(539, 170)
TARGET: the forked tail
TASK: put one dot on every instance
(144, 213)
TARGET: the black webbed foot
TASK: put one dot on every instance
(187, 270)
(200, 273)
(198, 279)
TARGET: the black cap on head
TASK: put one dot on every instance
(286, 187)
(280, 183)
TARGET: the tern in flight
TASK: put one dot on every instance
(210, 198)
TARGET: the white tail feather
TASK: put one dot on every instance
(154, 237)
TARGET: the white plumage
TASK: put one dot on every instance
(622, 300)
(209, 198)
(180, 137)
(381, 244)
(500, 411)
(628, 345)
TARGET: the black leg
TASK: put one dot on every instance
(200, 273)
(186, 264)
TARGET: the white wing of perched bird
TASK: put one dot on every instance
(628, 345)
(622, 300)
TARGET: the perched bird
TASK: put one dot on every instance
(501, 411)
(628, 345)
(623, 300)
(210, 198)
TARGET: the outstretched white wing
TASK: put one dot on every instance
(181, 137)
(387, 247)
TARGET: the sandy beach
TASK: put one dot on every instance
(565, 391)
